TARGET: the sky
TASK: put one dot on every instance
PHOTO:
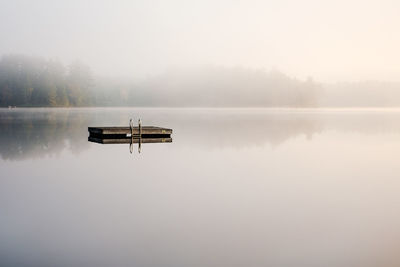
(328, 40)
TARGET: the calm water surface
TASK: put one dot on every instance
(245, 187)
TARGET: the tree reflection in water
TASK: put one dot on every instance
(35, 133)
(29, 134)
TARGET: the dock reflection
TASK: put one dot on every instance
(129, 140)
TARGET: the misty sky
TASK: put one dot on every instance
(328, 40)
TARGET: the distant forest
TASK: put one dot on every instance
(29, 81)
(36, 82)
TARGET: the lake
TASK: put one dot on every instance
(236, 187)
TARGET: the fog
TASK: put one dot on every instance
(330, 41)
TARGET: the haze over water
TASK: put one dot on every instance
(236, 187)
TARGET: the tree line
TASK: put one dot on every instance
(29, 81)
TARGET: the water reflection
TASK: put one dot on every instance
(45, 132)
(35, 133)
(129, 140)
(32, 134)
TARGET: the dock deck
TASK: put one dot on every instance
(145, 130)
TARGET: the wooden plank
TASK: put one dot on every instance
(129, 140)
(127, 130)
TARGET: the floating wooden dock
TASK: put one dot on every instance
(127, 131)
(130, 135)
